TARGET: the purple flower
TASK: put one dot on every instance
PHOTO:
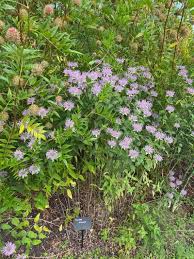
(31, 143)
(72, 64)
(33, 169)
(96, 132)
(172, 178)
(120, 60)
(150, 129)
(115, 134)
(172, 185)
(133, 118)
(158, 157)
(132, 92)
(69, 124)
(183, 192)
(31, 100)
(190, 90)
(42, 112)
(123, 82)
(133, 153)
(112, 143)
(159, 135)
(189, 81)
(74, 90)
(170, 108)
(178, 182)
(23, 256)
(154, 93)
(168, 139)
(96, 89)
(125, 143)
(149, 149)
(170, 93)
(8, 249)
(118, 88)
(23, 173)
(171, 172)
(25, 112)
(68, 105)
(137, 127)
(52, 154)
(25, 136)
(145, 106)
(124, 111)
(18, 154)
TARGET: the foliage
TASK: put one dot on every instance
(107, 95)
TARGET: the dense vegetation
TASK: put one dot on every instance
(97, 119)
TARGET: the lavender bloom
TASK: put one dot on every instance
(69, 124)
(124, 111)
(33, 169)
(74, 91)
(145, 107)
(189, 81)
(172, 185)
(120, 60)
(31, 143)
(171, 172)
(72, 64)
(9, 249)
(149, 149)
(112, 143)
(42, 112)
(190, 90)
(137, 127)
(23, 256)
(170, 108)
(159, 135)
(178, 182)
(150, 129)
(18, 154)
(133, 118)
(25, 136)
(154, 93)
(23, 173)
(68, 105)
(25, 112)
(31, 100)
(115, 134)
(125, 143)
(52, 154)
(168, 139)
(96, 132)
(133, 153)
(183, 192)
(170, 93)
(172, 178)
(132, 92)
(158, 157)
(123, 82)
(118, 88)
(96, 89)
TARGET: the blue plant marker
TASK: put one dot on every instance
(82, 224)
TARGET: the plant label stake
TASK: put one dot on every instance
(82, 224)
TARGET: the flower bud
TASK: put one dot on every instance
(48, 9)
(18, 81)
(13, 35)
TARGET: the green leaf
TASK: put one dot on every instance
(36, 219)
(15, 221)
(32, 234)
(5, 227)
(36, 242)
(69, 193)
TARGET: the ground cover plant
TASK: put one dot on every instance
(96, 119)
